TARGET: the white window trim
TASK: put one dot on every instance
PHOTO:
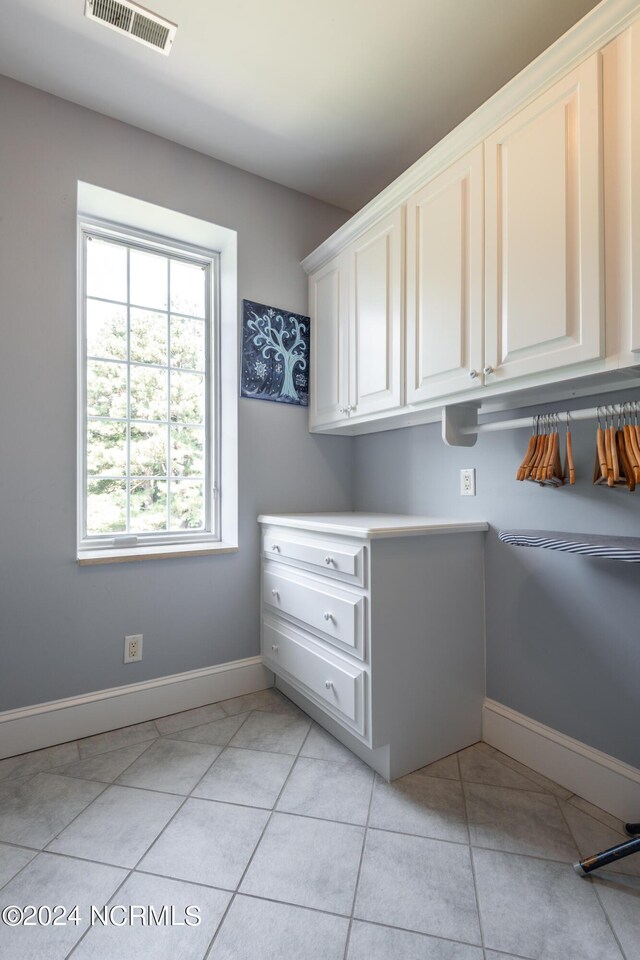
(97, 206)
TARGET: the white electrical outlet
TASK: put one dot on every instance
(133, 648)
(468, 482)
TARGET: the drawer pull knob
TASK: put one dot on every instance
(329, 560)
(274, 593)
(328, 616)
(275, 547)
(274, 647)
(328, 684)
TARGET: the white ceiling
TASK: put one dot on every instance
(333, 98)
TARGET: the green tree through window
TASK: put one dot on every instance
(147, 389)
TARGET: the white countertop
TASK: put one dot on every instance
(370, 526)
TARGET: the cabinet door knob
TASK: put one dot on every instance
(343, 409)
(274, 593)
(274, 647)
(328, 684)
(473, 374)
(487, 370)
(328, 616)
(328, 560)
(275, 547)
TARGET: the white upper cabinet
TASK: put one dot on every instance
(634, 181)
(621, 86)
(375, 318)
(328, 306)
(505, 260)
(543, 305)
(445, 300)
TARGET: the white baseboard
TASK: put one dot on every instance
(45, 724)
(609, 783)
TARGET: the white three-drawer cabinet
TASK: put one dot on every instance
(373, 624)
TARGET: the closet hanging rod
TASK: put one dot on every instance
(460, 425)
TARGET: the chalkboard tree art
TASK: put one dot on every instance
(275, 354)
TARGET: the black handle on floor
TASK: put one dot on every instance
(583, 867)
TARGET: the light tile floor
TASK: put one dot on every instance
(292, 849)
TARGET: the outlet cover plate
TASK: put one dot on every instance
(468, 482)
(133, 648)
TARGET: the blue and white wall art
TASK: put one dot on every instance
(275, 354)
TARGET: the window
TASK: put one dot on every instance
(150, 397)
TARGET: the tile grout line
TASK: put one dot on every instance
(594, 886)
(207, 953)
(44, 770)
(89, 927)
(115, 730)
(286, 813)
(601, 823)
(11, 879)
(37, 851)
(45, 849)
(497, 755)
(132, 869)
(159, 736)
(438, 839)
(536, 788)
(357, 883)
(471, 861)
(510, 956)
(348, 823)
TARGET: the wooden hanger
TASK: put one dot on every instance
(558, 473)
(600, 472)
(560, 469)
(528, 457)
(626, 453)
(537, 454)
(542, 462)
(615, 463)
(540, 469)
(636, 426)
(569, 466)
(542, 452)
(633, 446)
(608, 452)
(627, 470)
(547, 467)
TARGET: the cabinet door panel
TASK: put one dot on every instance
(445, 281)
(375, 318)
(634, 168)
(327, 303)
(621, 82)
(543, 245)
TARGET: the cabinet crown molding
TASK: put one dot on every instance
(592, 33)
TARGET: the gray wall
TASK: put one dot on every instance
(62, 626)
(562, 632)
(563, 636)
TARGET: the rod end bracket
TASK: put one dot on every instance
(454, 420)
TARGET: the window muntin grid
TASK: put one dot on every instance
(147, 381)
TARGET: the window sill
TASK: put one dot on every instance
(165, 551)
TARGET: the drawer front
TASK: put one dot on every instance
(341, 561)
(337, 686)
(338, 616)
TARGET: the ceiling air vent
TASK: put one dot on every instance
(135, 21)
